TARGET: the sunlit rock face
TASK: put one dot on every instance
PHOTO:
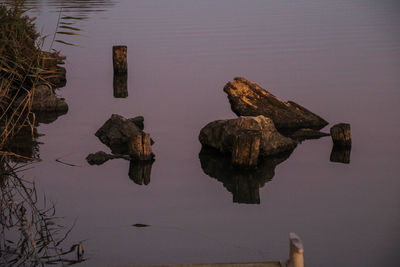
(243, 184)
(249, 99)
(221, 133)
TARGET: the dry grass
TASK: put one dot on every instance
(20, 69)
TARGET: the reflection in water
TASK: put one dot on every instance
(340, 154)
(243, 184)
(30, 235)
(73, 6)
(24, 144)
(120, 85)
(140, 171)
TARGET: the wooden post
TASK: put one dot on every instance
(140, 147)
(246, 149)
(120, 85)
(341, 135)
(296, 258)
(120, 61)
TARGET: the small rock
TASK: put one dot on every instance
(98, 158)
(341, 135)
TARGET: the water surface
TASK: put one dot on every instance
(340, 59)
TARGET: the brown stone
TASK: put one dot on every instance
(220, 135)
(249, 99)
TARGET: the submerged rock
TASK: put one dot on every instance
(123, 136)
(249, 99)
(98, 158)
(220, 135)
(45, 100)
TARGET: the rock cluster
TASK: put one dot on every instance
(266, 125)
(126, 136)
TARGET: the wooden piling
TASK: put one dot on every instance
(296, 258)
(140, 147)
(120, 85)
(120, 62)
(341, 135)
(246, 149)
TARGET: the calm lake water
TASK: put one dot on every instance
(340, 59)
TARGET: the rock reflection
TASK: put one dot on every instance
(140, 171)
(243, 184)
(31, 233)
(340, 154)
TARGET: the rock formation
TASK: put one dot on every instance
(123, 136)
(220, 135)
(249, 99)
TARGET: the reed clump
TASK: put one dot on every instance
(20, 69)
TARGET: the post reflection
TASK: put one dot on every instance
(340, 154)
(140, 171)
(243, 184)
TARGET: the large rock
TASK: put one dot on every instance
(221, 134)
(249, 99)
(123, 136)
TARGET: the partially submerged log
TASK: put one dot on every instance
(249, 99)
(120, 62)
(220, 135)
(341, 135)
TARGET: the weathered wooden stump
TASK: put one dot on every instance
(140, 171)
(296, 258)
(120, 85)
(120, 62)
(341, 135)
(246, 149)
(140, 147)
(340, 154)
